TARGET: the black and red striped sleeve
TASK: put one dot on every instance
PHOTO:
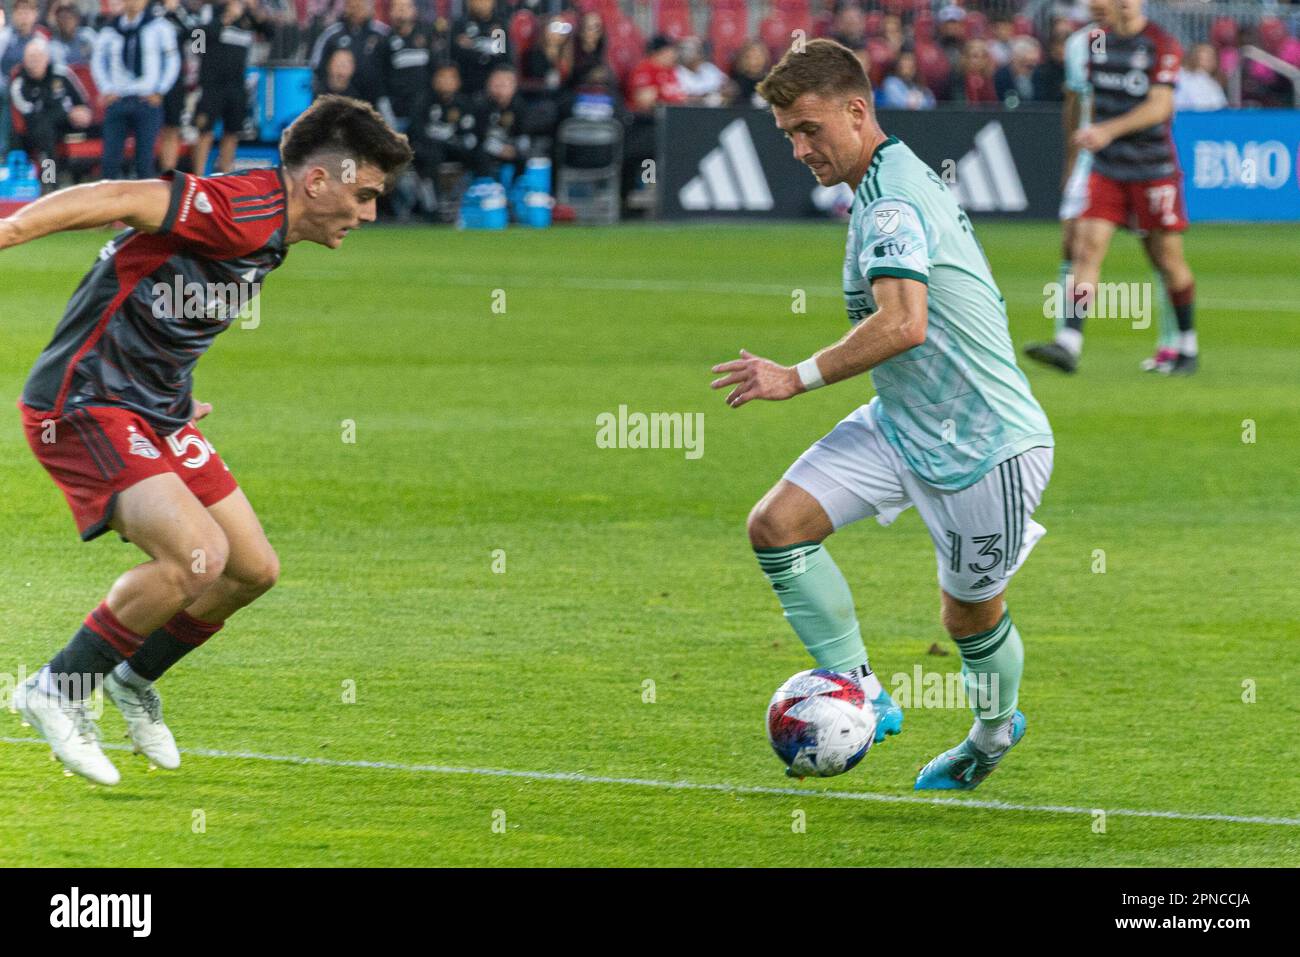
(225, 216)
(1168, 60)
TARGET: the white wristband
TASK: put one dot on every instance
(809, 374)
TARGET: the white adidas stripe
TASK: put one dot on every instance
(987, 179)
(731, 176)
(571, 777)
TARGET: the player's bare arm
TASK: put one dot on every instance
(898, 324)
(1157, 108)
(141, 204)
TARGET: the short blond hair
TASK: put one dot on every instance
(823, 67)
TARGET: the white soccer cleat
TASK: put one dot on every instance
(143, 713)
(68, 730)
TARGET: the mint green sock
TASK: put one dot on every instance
(817, 603)
(1062, 278)
(1168, 319)
(992, 662)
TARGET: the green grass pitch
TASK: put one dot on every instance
(498, 590)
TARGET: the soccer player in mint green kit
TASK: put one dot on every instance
(953, 429)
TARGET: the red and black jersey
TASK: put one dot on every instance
(153, 303)
(1121, 71)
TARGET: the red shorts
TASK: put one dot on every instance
(1145, 204)
(93, 454)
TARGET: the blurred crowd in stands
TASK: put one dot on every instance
(480, 83)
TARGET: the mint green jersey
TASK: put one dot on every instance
(957, 405)
(1076, 70)
(1076, 81)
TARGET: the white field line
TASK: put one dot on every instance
(673, 286)
(571, 777)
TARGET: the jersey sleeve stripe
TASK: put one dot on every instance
(173, 207)
(274, 194)
(252, 219)
(876, 272)
(257, 207)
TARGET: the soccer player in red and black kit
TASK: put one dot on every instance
(1135, 181)
(108, 408)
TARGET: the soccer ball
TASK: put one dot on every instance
(819, 723)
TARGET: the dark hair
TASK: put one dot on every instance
(345, 127)
(822, 67)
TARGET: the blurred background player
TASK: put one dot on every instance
(444, 133)
(479, 44)
(1135, 181)
(957, 433)
(1076, 113)
(500, 124)
(406, 64)
(228, 30)
(183, 21)
(109, 408)
(363, 36)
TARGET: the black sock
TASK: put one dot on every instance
(1183, 315)
(159, 652)
(1077, 312)
(79, 668)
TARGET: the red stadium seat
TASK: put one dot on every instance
(880, 56)
(607, 9)
(728, 32)
(625, 45)
(87, 80)
(673, 19)
(923, 27)
(1272, 32)
(523, 31)
(776, 31)
(933, 67)
(1223, 33)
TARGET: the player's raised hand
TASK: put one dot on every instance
(756, 378)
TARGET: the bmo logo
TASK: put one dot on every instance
(1224, 164)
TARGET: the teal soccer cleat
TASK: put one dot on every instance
(963, 768)
(889, 716)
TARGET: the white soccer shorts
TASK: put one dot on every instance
(1074, 199)
(854, 473)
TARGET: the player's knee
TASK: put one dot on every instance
(262, 575)
(963, 618)
(196, 572)
(768, 527)
(1087, 252)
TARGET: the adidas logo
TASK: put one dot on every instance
(987, 179)
(984, 582)
(731, 177)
